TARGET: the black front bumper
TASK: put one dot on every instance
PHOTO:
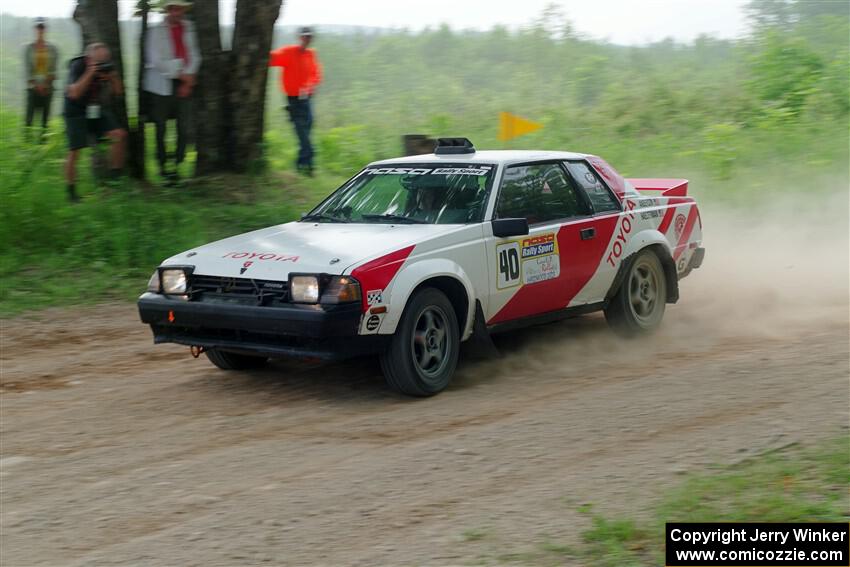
(311, 331)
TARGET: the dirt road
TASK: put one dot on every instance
(116, 452)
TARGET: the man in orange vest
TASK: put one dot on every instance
(300, 74)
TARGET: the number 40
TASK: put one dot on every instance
(509, 264)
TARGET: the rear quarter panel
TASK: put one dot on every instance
(671, 222)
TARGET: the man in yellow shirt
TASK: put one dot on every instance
(40, 59)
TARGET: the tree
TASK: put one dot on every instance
(137, 137)
(252, 40)
(231, 89)
(784, 71)
(211, 99)
(771, 13)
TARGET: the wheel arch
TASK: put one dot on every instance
(447, 277)
(667, 264)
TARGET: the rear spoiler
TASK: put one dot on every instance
(668, 187)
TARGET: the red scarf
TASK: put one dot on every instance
(180, 51)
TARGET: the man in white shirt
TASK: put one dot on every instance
(172, 60)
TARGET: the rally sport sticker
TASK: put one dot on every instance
(530, 260)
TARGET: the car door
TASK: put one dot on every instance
(593, 274)
(541, 272)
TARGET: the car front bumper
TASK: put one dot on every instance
(301, 331)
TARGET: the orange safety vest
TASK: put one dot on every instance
(300, 69)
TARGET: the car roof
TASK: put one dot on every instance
(485, 156)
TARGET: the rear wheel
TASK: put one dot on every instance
(423, 353)
(639, 304)
(235, 361)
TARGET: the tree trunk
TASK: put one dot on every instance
(137, 137)
(211, 101)
(98, 21)
(252, 40)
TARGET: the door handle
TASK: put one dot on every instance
(588, 233)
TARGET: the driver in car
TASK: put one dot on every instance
(428, 202)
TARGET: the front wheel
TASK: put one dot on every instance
(235, 361)
(423, 353)
(639, 304)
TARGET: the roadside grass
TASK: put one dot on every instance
(106, 247)
(794, 484)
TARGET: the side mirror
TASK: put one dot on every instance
(510, 227)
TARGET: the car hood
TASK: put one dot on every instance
(300, 247)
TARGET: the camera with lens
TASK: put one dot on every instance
(105, 67)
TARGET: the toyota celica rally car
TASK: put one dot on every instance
(413, 256)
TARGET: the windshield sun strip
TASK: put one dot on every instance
(335, 205)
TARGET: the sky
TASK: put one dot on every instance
(630, 22)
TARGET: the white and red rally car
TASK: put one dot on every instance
(414, 255)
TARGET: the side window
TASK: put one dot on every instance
(596, 192)
(539, 192)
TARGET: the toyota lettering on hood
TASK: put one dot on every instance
(299, 247)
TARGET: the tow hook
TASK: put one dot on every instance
(196, 351)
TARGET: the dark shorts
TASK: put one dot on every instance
(81, 130)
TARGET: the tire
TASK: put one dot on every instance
(234, 361)
(422, 355)
(638, 306)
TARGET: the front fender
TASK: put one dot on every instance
(414, 275)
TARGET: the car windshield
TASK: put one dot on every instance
(404, 193)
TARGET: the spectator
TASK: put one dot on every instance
(92, 81)
(300, 75)
(40, 59)
(172, 60)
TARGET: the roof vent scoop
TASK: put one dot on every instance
(454, 146)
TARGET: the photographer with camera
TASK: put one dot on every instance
(92, 81)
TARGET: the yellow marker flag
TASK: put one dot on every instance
(511, 126)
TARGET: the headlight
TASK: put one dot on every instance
(341, 289)
(173, 281)
(331, 289)
(304, 289)
(153, 283)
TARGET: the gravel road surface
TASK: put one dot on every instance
(116, 452)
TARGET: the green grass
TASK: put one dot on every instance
(105, 248)
(791, 485)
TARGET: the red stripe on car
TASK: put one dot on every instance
(671, 212)
(378, 273)
(668, 218)
(579, 261)
(686, 233)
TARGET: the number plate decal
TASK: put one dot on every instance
(508, 272)
(527, 261)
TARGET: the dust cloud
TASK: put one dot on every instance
(776, 271)
(778, 267)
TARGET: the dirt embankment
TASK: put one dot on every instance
(116, 452)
